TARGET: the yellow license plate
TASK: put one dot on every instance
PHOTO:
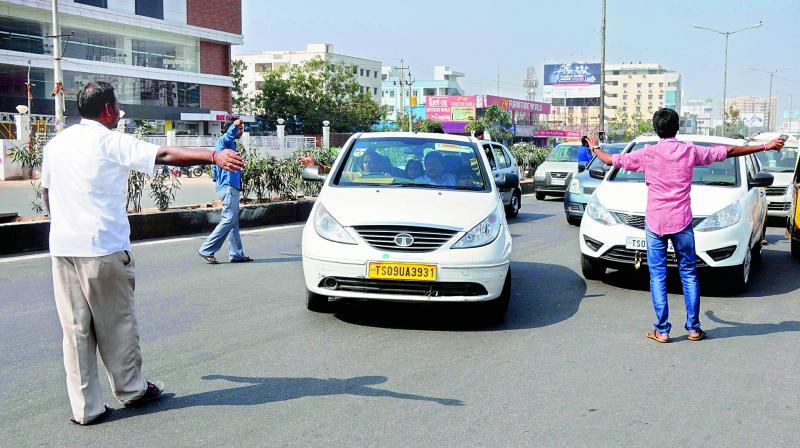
(402, 271)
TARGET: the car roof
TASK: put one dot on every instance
(652, 138)
(419, 135)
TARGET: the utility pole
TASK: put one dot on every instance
(603, 70)
(402, 101)
(58, 90)
(727, 35)
(769, 99)
(791, 106)
(410, 84)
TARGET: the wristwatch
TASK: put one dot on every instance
(594, 147)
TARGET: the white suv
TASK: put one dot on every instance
(728, 203)
(781, 165)
(409, 217)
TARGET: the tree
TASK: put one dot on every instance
(241, 101)
(624, 128)
(428, 125)
(496, 121)
(314, 92)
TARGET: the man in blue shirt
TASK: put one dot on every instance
(584, 153)
(229, 185)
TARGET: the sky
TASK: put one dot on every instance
(482, 38)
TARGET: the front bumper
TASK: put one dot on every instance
(546, 186)
(779, 205)
(463, 275)
(574, 204)
(612, 239)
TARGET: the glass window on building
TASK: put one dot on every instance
(427, 91)
(624, 84)
(374, 90)
(22, 35)
(638, 85)
(93, 46)
(649, 84)
(97, 3)
(148, 53)
(150, 8)
(661, 84)
(624, 97)
(355, 69)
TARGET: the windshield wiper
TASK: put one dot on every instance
(715, 183)
(419, 185)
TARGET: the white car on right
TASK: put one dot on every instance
(781, 165)
(728, 203)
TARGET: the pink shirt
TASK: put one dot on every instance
(668, 167)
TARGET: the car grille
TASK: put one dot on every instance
(575, 207)
(402, 287)
(776, 191)
(779, 206)
(638, 220)
(619, 254)
(426, 239)
(558, 175)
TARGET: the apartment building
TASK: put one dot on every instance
(169, 60)
(640, 88)
(366, 71)
(444, 83)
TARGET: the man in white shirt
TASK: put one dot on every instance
(84, 178)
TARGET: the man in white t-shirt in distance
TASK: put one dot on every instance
(84, 178)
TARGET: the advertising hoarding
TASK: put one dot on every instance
(450, 108)
(516, 105)
(753, 119)
(558, 133)
(791, 121)
(572, 80)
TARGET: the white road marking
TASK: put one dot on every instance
(157, 242)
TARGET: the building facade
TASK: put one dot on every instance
(366, 71)
(749, 105)
(703, 113)
(640, 89)
(169, 60)
(444, 83)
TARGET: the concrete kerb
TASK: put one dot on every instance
(22, 237)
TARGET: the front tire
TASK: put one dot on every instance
(317, 303)
(592, 269)
(796, 249)
(514, 205)
(540, 196)
(573, 220)
(737, 278)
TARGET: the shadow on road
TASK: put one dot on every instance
(735, 329)
(287, 258)
(541, 295)
(266, 390)
(527, 217)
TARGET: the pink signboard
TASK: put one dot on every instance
(440, 108)
(556, 133)
(535, 107)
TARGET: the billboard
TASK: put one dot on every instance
(450, 108)
(791, 121)
(753, 119)
(516, 105)
(572, 80)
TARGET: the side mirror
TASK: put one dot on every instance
(582, 167)
(311, 173)
(762, 179)
(597, 173)
(504, 181)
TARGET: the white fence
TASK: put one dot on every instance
(268, 145)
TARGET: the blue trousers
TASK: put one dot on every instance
(228, 227)
(683, 242)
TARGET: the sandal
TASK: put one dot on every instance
(209, 259)
(654, 335)
(242, 260)
(700, 335)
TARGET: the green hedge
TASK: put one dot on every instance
(529, 157)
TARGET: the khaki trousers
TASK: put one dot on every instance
(94, 297)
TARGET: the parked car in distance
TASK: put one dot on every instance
(502, 161)
(782, 167)
(553, 176)
(393, 223)
(728, 204)
(793, 223)
(583, 185)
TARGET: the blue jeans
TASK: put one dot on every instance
(228, 227)
(687, 267)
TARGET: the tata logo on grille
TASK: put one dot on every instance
(404, 240)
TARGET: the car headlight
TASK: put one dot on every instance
(726, 217)
(538, 174)
(575, 186)
(482, 234)
(599, 212)
(329, 228)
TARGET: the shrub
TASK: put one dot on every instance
(529, 157)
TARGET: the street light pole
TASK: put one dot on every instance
(602, 69)
(791, 106)
(727, 35)
(769, 99)
(58, 90)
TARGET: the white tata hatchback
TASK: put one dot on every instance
(409, 217)
(728, 203)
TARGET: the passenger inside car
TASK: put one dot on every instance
(434, 170)
(414, 169)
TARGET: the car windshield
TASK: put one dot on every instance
(782, 161)
(412, 162)
(722, 173)
(564, 153)
(615, 148)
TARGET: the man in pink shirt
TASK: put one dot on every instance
(668, 167)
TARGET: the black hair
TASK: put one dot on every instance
(666, 123)
(93, 97)
(479, 130)
(228, 123)
(585, 141)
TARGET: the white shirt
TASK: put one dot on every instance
(86, 169)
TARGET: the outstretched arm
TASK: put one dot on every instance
(177, 156)
(738, 151)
